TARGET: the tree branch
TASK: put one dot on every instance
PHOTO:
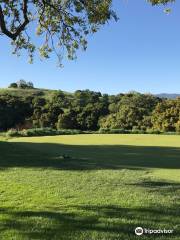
(14, 35)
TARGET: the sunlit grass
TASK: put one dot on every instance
(89, 186)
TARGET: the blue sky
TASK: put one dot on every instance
(141, 52)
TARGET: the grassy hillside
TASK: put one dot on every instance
(47, 93)
(27, 92)
(89, 187)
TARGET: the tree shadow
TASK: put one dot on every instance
(108, 222)
(90, 221)
(162, 187)
(158, 184)
(86, 157)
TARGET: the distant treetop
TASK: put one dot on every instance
(22, 84)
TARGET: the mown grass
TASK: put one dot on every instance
(89, 187)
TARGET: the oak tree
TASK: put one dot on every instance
(62, 25)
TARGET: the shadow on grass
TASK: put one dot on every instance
(107, 222)
(164, 188)
(158, 184)
(86, 157)
(90, 221)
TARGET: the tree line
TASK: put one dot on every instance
(90, 111)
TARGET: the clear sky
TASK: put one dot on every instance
(141, 52)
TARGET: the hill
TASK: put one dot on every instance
(168, 95)
(46, 93)
(25, 92)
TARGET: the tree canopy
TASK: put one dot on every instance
(22, 84)
(62, 26)
(87, 110)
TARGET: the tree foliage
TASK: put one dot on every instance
(155, 2)
(13, 111)
(89, 111)
(22, 84)
(132, 111)
(166, 116)
(62, 26)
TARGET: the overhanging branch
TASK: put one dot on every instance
(20, 28)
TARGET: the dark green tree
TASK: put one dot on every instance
(67, 120)
(13, 85)
(13, 111)
(132, 111)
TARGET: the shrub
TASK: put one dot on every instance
(138, 131)
(112, 131)
(41, 132)
(68, 131)
(178, 126)
(124, 131)
(104, 130)
(12, 133)
(119, 131)
(153, 131)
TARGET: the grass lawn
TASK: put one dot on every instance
(105, 187)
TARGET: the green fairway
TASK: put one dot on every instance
(89, 187)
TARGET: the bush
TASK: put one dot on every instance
(41, 132)
(104, 130)
(12, 133)
(153, 131)
(113, 131)
(119, 131)
(138, 131)
(69, 132)
(53, 132)
(123, 131)
(178, 126)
